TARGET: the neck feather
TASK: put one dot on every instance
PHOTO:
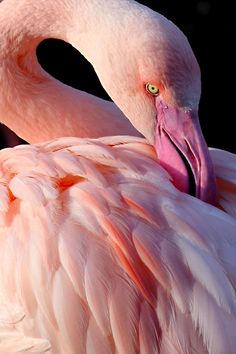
(33, 104)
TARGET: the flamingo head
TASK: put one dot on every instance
(156, 83)
(144, 62)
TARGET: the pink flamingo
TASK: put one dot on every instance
(99, 252)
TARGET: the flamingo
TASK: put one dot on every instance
(102, 249)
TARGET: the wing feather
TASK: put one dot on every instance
(225, 169)
(99, 253)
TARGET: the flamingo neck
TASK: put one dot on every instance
(32, 103)
(39, 108)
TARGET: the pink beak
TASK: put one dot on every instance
(183, 152)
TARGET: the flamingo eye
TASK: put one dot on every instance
(152, 89)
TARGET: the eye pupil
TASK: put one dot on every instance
(153, 89)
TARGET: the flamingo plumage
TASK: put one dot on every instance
(100, 252)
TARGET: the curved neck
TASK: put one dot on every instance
(45, 107)
(48, 109)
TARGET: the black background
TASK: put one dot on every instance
(209, 28)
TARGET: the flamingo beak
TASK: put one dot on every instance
(183, 152)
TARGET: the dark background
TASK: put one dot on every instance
(209, 28)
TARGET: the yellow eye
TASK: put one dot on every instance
(152, 89)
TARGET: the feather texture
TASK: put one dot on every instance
(112, 259)
(225, 168)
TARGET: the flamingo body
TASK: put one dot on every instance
(100, 253)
